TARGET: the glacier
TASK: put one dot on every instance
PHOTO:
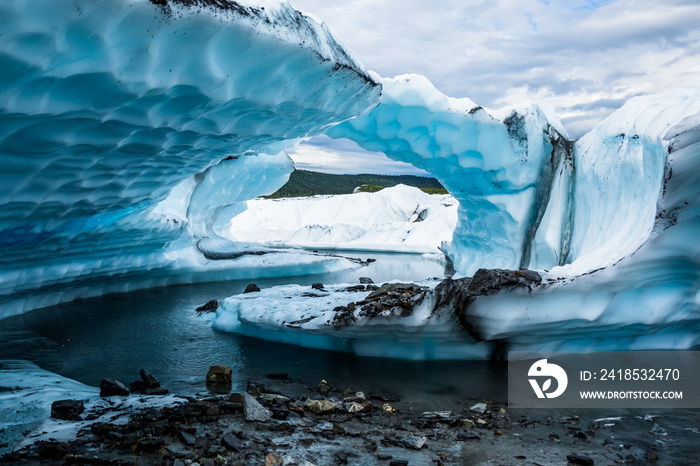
(108, 107)
(134, 133)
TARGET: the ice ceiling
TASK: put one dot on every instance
(131, 131)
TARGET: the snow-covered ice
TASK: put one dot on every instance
(396, 219)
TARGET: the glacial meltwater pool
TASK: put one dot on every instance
(158, 329)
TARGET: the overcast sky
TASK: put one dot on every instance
(583, 57)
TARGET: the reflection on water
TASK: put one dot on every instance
(158, 329)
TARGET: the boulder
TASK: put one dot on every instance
(252, 288)
(67, 410)
(219, 374)
(111, 387)
(210, 306)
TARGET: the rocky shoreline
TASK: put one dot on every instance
(278, 421)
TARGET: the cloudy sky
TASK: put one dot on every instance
(583, 57)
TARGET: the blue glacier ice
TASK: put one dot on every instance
(107, 106)
(132, 131)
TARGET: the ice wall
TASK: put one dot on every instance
(105, 106)
(500, 166)
(529, 197)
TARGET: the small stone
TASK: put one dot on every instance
(342, 457)
(210, 306)
(554, 438)
(383, 456)
(255, 389)
(252, 288)
(272, 398)
(326, 426)
(437, 414)
(67, 410)
(478, 408)
(201, 442)
(273, 459)
(186, 437)
(399, 463)
(353, 407)
(481, 423)
(254, 411)
(366, 280)
(388, 408)
(219, 374)
(462, 436)
(323, 388)
(149, 444)
(320, 406)
(317, 286)
(467, 423)
(651, 457)
(413, 441)
(231, 443)
(361, 396)
(111, 387)
(578, 459)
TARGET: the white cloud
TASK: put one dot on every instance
(579, 56)
(342, 156)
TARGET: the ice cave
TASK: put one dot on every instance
(133, 134)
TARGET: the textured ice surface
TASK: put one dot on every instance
(106, 106)
(500, 168)
(399, 219)
(303, 316)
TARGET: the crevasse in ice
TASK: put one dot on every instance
(132, 131)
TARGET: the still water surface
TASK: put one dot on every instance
(158, 329)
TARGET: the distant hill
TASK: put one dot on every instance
(307, 183)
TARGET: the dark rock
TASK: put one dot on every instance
(148, 378)
(210, 306)
(201, 442)
(219, 374)
(371, 287)
(51, 450)
(317, 286)
(255, 389)
(232, 443)
(578, 459)
(111, 387)
(67, 410)
(651, 457)
(323, 388)
(490, 281)
(354, 288)
(462, 436)
(398, 463)
(366, 280)
(236, 398)
(413, 441)
(341, 457)
(279, 413)
(231, 408)
(252, 288)
(186, 437)
(383, 457)
(149, 444)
